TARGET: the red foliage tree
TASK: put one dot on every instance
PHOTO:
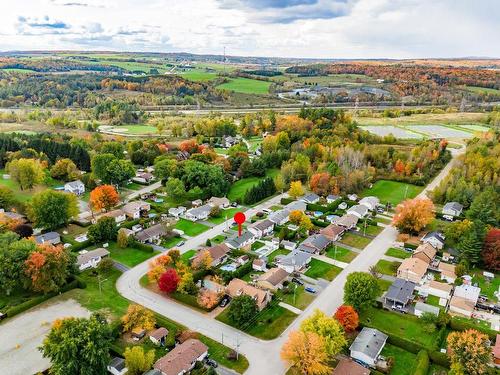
(347, 317)
(104, 197)
(168, 281)
(399, 167)
(491, 249)
(320, 183)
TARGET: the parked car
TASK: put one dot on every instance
(234, 204)
(224, 301)
(181, 243)
(297, 281)
(310, 290)
(266, 210)
(212, 363)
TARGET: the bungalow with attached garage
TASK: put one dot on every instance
(412, 269)
(367, 346)
(288, 245)
(76, 187)
(358, 210)
(237, 287)
(218, 253)
(134, 209)
(310, 198)
(262, 228)
(117, 366)
(117, 214)
(370, 202)
(158, 336)
(273, 279)
(296, 206)
(91, 259)
(425, 252)
(182, 359)
(333, 232)
(239, 242)
(347, 221)
(176, 211)
(279, 217)
(198, 213)
(143, 178)
(464, 300)
(421, 308)
(399, 295)
(151, 234)
(296, 261)
(447, 272)
(52, 238)
(452, 209)
(314, 244)
(436, 239)
(331, 198)
(219, 202)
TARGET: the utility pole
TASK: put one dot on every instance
(237, 347)
(294, 292)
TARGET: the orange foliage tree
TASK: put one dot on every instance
(158, 266)
(202, 261)
(104, 197)
(208, 298)
(295, 216)
(469, 351)
(320, 183)
(191, 146)
(412, 215)
(138, 316)
(347, 317)
(306, 351)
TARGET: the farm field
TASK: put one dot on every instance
(132, 129)
(457, 118)
(239, 188)
(393, 192)
(384, 130)
(198, 75)
(246, 86)
(440, 131)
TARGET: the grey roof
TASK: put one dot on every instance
(347, 220)
(288, 243)
(316, 241)
(359, 208)
(86, 257)
(437, 235)
(199, 210)
(453, 206)
(401, 291)
(295, 258)
(13, 215)
(278, 216)
(427, 308)
(151, 232)
(296, 205)
(47, 237)
(153, 372)
(74, 184)
(332, 197)
(238, 241)
(262, 225)
(117, 363)
(310, 197)
(370, 341)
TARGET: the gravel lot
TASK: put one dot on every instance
(21, 336)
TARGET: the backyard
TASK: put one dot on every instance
(341, 254)
(355, 240)
(129, 256)
(397, 253)
(404, 361)
(318, 269)
(190, 228)
(393, 192)
(275, 253)
(300, 298)
(240, 187)
(224, 215)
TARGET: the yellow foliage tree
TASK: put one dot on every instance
(203, 261)
(327, 328)
(295, 217)
(306, 351)
(137, 360)
(138, 316)
(469, 351)
(412, 215)
(296, 189)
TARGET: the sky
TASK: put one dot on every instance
(275, 28)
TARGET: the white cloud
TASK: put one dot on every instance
(292, 28)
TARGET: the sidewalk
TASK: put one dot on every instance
(290, 308)
(331, 261)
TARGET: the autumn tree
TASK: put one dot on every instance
(279, 183)
(328, 328)
(470, 350)
(137, 360)
(320, 183)
(122, 238)
(305, 224)
(361, 290)
(295, 216)
(203, 261)
(306, 351)
(412, 215)
(48, 268)
(296, 189)
(491, 250)
(208, 298)
(64, 169)
(169, 281)
(347, 317)
(158, 266)
(104, 197)
(175, 255)
(138, 316)
(186, 283)
(7, 198)
(26, 172)
(51, 209)
(104, 230)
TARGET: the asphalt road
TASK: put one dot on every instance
(264, 356)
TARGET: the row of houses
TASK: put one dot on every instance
(132, 210)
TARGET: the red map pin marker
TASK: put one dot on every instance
(239, 218)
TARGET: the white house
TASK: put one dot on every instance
(91, 259)
(296, 261)
(176, 211)
(198, 213)
(117, 366)
(436, 239)
(367, 346)
(358, 210)
(134, 209)
(331, 198)
(452, 209)
(158, 336)
(370, 202)
(76, 187)
(262, 228)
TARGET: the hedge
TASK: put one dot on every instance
(80, 245)
(439, 358)
(141, 246)
(422, 363)
(460, 325)
(316, 207)
(319, 223)
(285, 201)
(410, 246)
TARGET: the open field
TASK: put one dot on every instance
(190, 228)
(246, 86)
(198, 75)
(440, 131)
(483, 90)
(384, 130)
(393, 192)
(132, 129)
(457, 118)
(129, 256)
(240, 187)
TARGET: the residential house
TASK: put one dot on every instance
(181, 359)
(464, 299)
(52, 238)
(425, 252)
(333, 232)
(135, 209)
(310, 198)
(436, 239)
(347, 366)
(91, 259)
(143, 177)
(76, 187)
(158, 336)
(315, 244)
(272, 279)
(242, 259)
(447, 272)
(9, 215)
(296, 206)
(151, 234)
(117, 366)
(153, 372)
(441, 290)
(197, 203)
(239, 242)
(296, 261)
(288, 245)
(229, 141)
(358, 210)
(279, 217)
(370, 202)
(412, 269)
(332, 198)
(117, 214)
(422, 308)
(452, 209)
(367, 346)
(352, 197)
(262, 228)
(218, 253)
(348, 221)
(237, 287)
(176, 211)
(400, 294)
(219, 202)
(198, 213)
(259, 265)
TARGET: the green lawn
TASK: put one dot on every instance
(171, 242)
(267, 324)
(407, 326)
(371, 230)
(301, 300)
(240, 187)
(403, 361)
(392, 191)
(25, 195)
(218, 239)
(397, 253)
(187, 255)
(257, 245)
(224, 215)
(387, 267)
(354, 240)
(254, 142)
(275, 253)
(318, 269)
(198, 75)
(129, 256)
(246, 86)
(191, 228)
(341, 254)
(383, 285)
(488, 288)
(433, 300)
